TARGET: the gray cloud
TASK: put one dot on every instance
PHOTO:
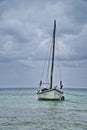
(26, 26)
(26, 31)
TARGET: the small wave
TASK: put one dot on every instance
(17, 123)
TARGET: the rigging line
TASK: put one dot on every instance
(59, 66)
(44, 64)
(47, 77)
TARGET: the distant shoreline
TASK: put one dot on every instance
(4, 88)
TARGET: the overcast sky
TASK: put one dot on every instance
(26, 30)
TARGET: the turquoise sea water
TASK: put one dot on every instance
(20, 110)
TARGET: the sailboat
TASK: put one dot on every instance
(53, 92)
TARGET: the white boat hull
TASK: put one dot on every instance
(50, 94)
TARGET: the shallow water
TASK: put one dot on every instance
(20, 110)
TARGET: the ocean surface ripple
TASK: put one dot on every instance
(20, 110)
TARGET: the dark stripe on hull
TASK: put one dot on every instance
(49, 99)
(49, 91)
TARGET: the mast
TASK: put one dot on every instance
(53, 52)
